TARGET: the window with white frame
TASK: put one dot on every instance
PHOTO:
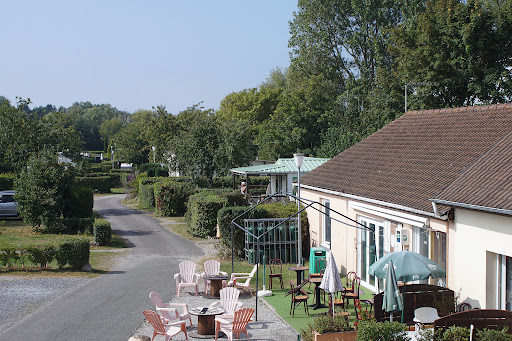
(326, 222)
(504, 282)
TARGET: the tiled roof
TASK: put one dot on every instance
(420, 154)
(487, 183)
(282, 166)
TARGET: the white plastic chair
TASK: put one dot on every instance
(212, 268)
(425, 315)
(236, 326)
(168, 330)
(229, 302)
(236, 278)
(187, 277)
(168, 310)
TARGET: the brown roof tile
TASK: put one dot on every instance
(420, 154)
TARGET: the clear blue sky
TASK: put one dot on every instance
(139, 54)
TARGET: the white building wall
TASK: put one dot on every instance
(479, 237)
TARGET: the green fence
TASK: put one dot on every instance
(280, 242)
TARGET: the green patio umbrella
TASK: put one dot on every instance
(392, 300)
(409, 266)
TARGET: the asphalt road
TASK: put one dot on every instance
(110, 306)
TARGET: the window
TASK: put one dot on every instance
(326, 222)
(504, 283)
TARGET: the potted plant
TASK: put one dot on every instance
(326, 328)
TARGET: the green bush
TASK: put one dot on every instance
(201, 216)
(226, 215)
(80, 203)
(41, 255)
(324, 324)
(381, 331)
(9, 256)
(102, 232)
(153, 169)
(103, 167)
(147, 196)
(6, 181)
(171, 197)
(493, 335)
(74, 225)
(101, 184)
(222, 182)
(74, 252)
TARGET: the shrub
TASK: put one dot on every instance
(102, 232)
(9, 256)
(80, 203)
(153, 169)
(147, 196)
(171, 197)
(493, 335)
(324, 324)
(222, 182)
(226, 215)
(74, 252)
(41, 255)
(382, 331)
(6, 181)
(101, 184)
(74, 225)
(455, 333)
(201, 216)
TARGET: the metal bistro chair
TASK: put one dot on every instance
(350, 281)
(355, 294)
(276, 271)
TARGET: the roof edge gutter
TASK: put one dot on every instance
(377, 202)
(471, 207)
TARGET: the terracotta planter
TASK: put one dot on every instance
(340, 336)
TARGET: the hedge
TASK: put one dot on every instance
(74, 252)
(7, 181)
(153, 169)
(275, 210)
(103, 167)
(102, 232)
(225, 215)
(80, 203)
(202, 213)
(102, 184)
(147, 195)
(171, 197)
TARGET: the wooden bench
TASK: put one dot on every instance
(479, 318)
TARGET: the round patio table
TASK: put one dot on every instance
(318, 304)
(216, 284)
(299, 270)
(205, 321)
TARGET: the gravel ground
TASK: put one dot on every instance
(20, 295)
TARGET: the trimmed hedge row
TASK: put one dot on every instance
(73, 252)
(172, 196)
(102, 232)
(202, 212)
(147, 195)
(102, 184)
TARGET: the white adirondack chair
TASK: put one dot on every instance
(187, 277)
(236, 326)
(168, 330)
(212, 268)
(228, 301)
(169, 310)
(238, 277)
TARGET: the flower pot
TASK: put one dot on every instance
(339, 336)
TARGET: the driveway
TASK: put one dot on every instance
(110, 306)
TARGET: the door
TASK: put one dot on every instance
(371, 244)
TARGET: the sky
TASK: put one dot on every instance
(140, 54)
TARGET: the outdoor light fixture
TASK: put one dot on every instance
(299, 158)
(154, 157)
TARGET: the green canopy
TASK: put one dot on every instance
(409, 266)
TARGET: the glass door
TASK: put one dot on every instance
(371, 248)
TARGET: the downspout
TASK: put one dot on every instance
(434, 207)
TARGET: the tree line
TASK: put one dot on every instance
(351, 62)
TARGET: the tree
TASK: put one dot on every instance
(22, 134)
(42, 189)
(131, 141)
(196, 142)
(464, 47)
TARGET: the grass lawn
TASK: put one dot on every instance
(15, 233)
